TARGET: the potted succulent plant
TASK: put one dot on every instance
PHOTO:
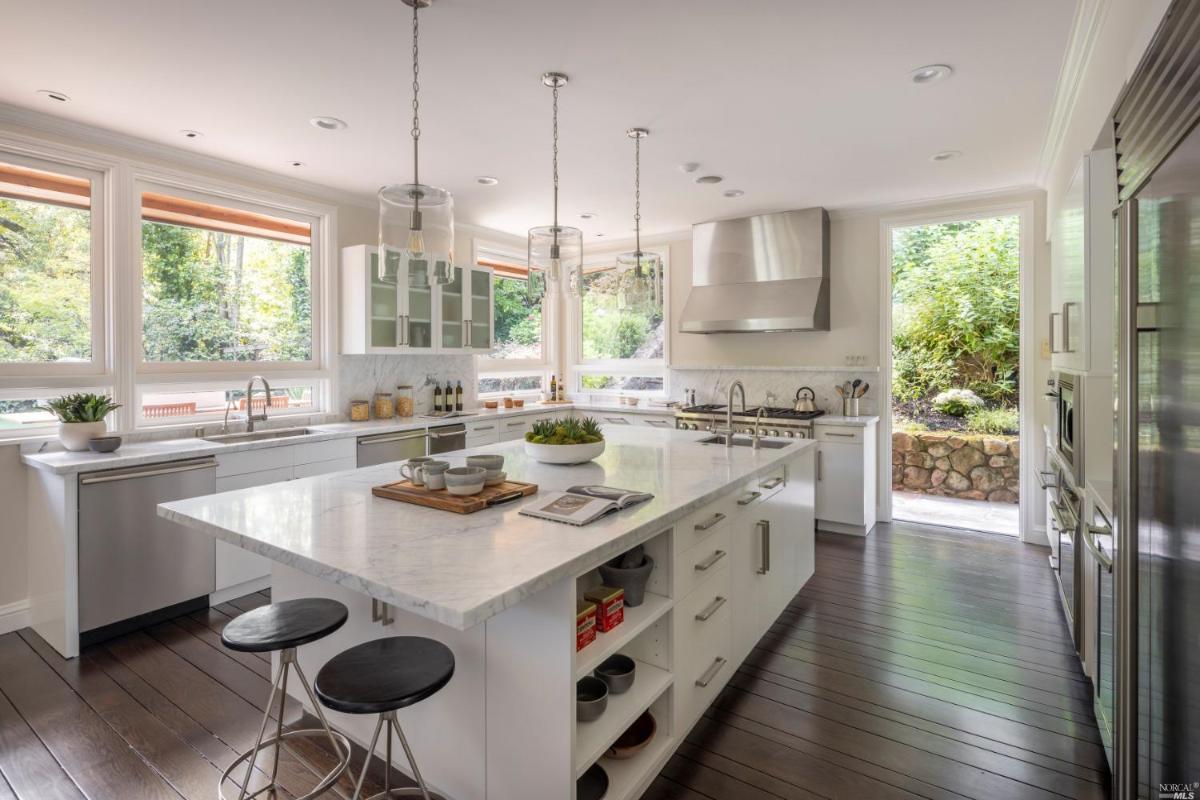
(564, 441)
(80, 418)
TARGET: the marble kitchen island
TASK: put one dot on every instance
(731, 533)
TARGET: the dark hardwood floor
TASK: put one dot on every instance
(919, 662)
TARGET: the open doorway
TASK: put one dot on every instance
(955, 373)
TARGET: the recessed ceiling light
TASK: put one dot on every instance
(690, 166)
(598, 235)
(53, 95)
(487, 180)
(930, 73)
(296, 164)
(733, 193)
(190, 134)
(945, 155)
(588, 215)
(328, 123)
(709, 179)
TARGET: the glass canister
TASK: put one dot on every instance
(385, 408)
(404, 401)
(360, 411)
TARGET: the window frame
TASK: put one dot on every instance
(578, 366)
(320, 400)
(487, 366)
(18, 374)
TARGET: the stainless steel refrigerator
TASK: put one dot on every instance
(1158, 433)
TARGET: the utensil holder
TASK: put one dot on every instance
(849, 406)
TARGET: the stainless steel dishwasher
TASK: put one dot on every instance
(447, 438)
(132, 562)
(384, 447)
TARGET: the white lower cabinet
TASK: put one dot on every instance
(846, 478)
(511, 429)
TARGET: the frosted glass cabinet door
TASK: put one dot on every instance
(453, 327)
(385, 306)
(480, 336)
(418, 307)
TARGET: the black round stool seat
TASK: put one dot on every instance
(289, 623)
(385, 674)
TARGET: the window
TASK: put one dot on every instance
(620, 340)
(519, 364)
(50, 257)
(518, 320)
(222, 284)
(503, 383)
(169, 405)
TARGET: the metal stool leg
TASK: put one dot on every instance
(341, 745)
(420, 790)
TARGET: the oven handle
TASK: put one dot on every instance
(1089, 532)
(1044, 483)
(1058, 509)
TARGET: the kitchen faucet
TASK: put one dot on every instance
(251, 416)
(727, 431)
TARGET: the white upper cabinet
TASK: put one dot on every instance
(409, 316)
(1082, 253)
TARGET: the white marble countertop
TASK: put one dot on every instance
(461, 570)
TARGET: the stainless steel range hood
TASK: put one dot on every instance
(759, 274)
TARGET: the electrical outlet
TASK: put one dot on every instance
(1045, 348)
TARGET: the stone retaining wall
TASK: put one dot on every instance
(965, 465)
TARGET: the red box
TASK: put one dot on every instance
(610, 606)
(585, 625)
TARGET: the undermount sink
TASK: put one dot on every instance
(258, 436)
(746, 441)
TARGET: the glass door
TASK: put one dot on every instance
(452, 317)
(480, 329)
(385, 305)
(418, 305)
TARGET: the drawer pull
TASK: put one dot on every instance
(834, 433)
(707, 563)
(379, 612)
(658, 423)
(516, 424)
(483, 428)
(764, 528)
(703, 526)
(711, 608)
(617, 420)
(770, 484)
(704, 680)
(749, 498)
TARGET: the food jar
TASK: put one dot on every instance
(404, 401)
(384, 407)
(360, 411)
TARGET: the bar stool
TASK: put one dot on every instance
(283, 627)
(381, 677)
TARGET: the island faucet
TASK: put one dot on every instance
(250, 415)
(727, 431)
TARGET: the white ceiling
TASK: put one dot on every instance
(796, 102)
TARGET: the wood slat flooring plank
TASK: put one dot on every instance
(711, 783)
(29, 769)
(216, 621)
(95, 758)
(761, 780)
(249, 602)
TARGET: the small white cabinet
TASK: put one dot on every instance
(409, 315)
(846, 478)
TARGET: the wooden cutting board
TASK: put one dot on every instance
(406, 492)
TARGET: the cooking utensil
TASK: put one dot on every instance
(839, 391)
(863, 390)
(854, 386)
(805, 404)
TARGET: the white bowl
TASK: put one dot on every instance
(563, 453)
(468, 489)
(495, 480)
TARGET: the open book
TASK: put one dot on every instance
(580, 505)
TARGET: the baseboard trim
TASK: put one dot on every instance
(241, 590)
(841, 527)
(14, 616)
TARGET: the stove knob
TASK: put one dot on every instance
(774, 432)
(791, 434)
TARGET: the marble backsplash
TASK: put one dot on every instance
(712, 386)
(359, 377)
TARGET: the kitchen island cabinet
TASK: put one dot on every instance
(501, 589)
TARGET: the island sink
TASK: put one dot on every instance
(258, 436)
(741, 441)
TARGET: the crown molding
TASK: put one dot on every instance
(983, 197)
(30, 121)
(1085, 29)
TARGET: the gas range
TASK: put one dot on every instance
(775, 421)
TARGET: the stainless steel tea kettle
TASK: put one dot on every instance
(805, 404)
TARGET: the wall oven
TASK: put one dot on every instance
(1063, 527)
(1068, 425)
(1098, 537)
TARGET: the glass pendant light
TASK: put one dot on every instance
(416, 221)
(642, 270)
(556, 251)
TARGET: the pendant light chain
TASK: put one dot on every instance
(637, 198)
(416, 88)
(555, 87)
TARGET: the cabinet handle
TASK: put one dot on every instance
(771, 484)
(764, 530)
(1053, 314)
(379, 612)
(748, 498)
(707, 563)
(515, 424)
(617, 420)
(818, 465)
(483, 428)
(1051, 483)
(711, 609)
(658, 423)
(703, 526)
(704, 680)
(834, 433)
(1066, 323)
(401, 330)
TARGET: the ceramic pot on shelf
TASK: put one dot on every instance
(75, 436)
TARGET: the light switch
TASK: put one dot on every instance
(1045, 348)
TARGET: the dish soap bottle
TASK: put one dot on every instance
(553, 388)
(437, 397)
(458, 405)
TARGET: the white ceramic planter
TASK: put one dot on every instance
(76, 435)
(563, 453)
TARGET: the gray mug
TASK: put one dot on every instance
(433, 473)
(413, 467)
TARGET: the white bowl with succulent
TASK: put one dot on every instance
(80, 418)
(564, 441)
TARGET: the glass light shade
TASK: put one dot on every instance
(644, 271)
(416, 221)
(557, 252)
